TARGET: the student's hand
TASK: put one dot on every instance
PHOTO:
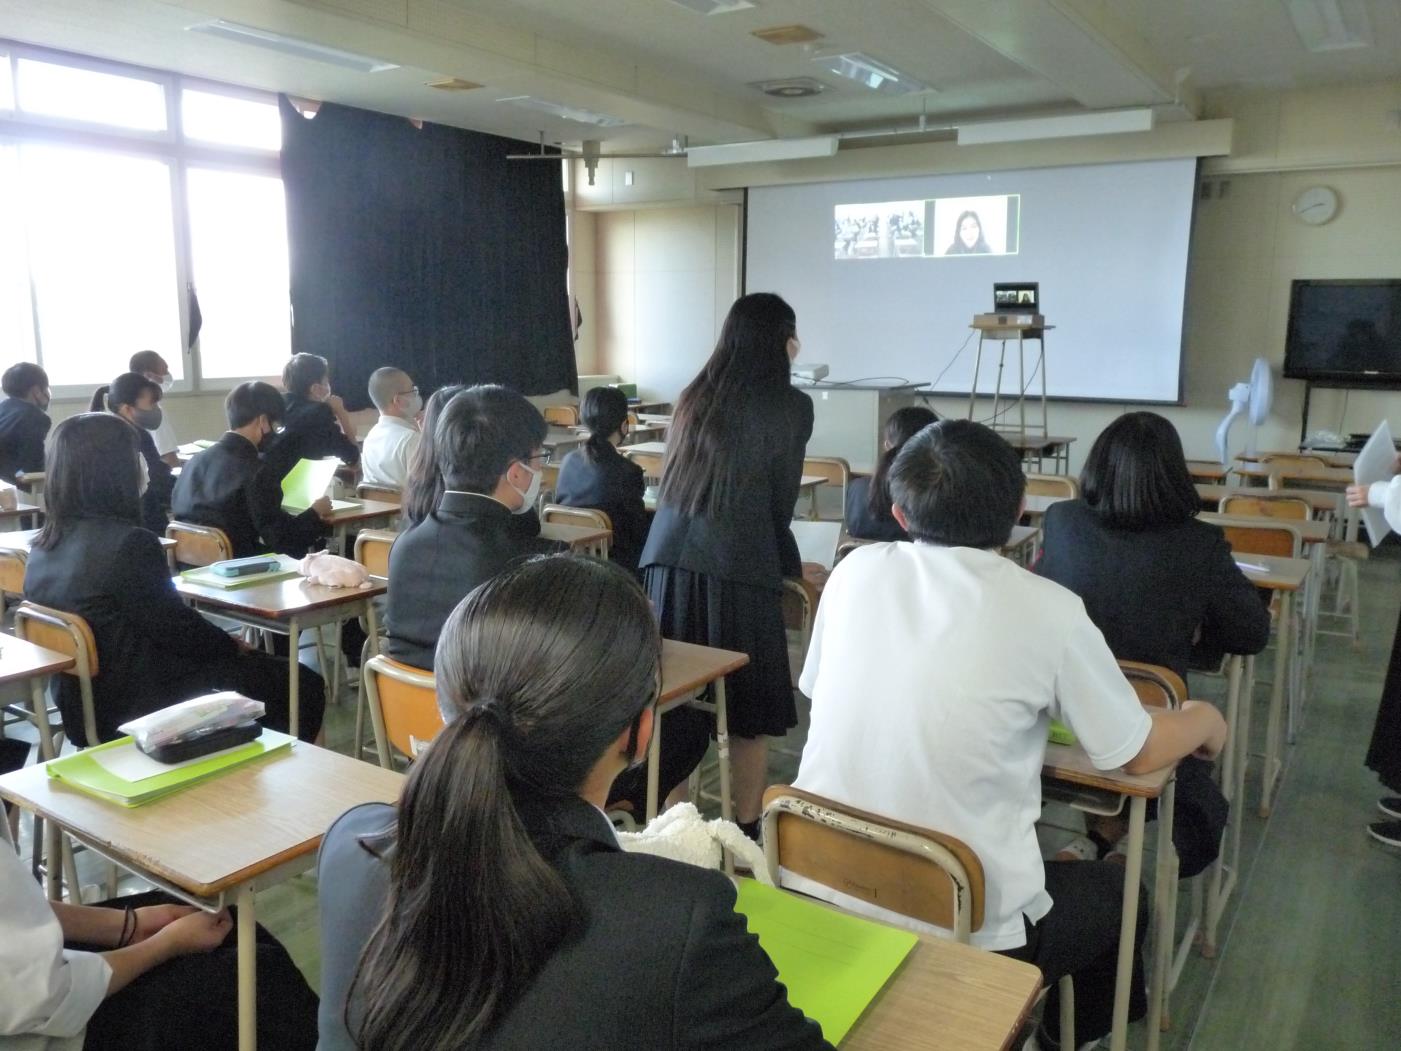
(1215, 742)
(322, 506)
(155, 918)
(336, 403)
(815, 574)
(196, 932)
(1357, 495)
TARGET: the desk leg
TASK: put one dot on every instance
(1164, 920)
(1218, 886)
(722, 750)
(53, 865)
(247, 970)
(362, 699)
(1133, 872)
(654, 768)
(293, 679)
(1278, 692)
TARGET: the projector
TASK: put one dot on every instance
(810, 373)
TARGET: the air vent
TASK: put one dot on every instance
(453, 84)
(791, 88)
(715, 7)
(788, 35)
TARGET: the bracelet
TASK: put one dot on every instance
(128, 928)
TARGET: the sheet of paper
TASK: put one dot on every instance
(817, 541)
(1376, 463)
(132, 764)
(308, 482)
(832, 963)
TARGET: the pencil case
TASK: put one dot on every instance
(246, 567)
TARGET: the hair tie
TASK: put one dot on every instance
(485, 709)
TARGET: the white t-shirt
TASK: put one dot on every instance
(386, 451)
(164, 437)
(47, 993)
(934, 673)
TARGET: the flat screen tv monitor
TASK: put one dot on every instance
(1345, 332)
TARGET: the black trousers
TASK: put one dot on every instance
(263, 677)
(1080, 937)
(1384, 753)
(192, 1001)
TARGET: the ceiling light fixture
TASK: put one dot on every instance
(1331, 25)
(1070, 125)
(782, 35)
(869, 73)
(290, 45)
(791, 87)
(453, 84)
(715, 7)
(761, 150)
(563, 112)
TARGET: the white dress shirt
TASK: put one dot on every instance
(386, 451)
(933, 673)
(1387, 496)
(47, 993)
(164, 436)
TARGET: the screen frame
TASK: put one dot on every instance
(1339, 378)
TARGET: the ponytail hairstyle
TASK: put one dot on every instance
(535, 689)
(424, 486)
(900, 426)
(126, 389)
(604, 412)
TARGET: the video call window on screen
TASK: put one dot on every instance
(940, 228)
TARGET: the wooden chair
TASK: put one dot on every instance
(387, 493)
(846, 547)
(799, 609)
(651, 463)
(197, 545)
(1052, 485)
(1156, 686)
(837, 473)
(581, 516)
(12, 565)
(917, 872)
(403, 707)
(561, 415)
(1290, 508)
(1295, 463)
(372, 550)
(1276, 538)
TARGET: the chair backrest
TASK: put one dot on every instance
(799, 608)
(1052, 485)
(837, 473)
(70, 635)
(387, 493)
(581, 516)
(913, 871)
(1294, 461)
(198, 545)
(561, 415)
(372, 550)
(1272, 539)
(1286, 507)
(12, 565)
(846, 547)
(651, 463)
(403, 707)
(1156, 686)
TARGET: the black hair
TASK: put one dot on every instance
(481, 432)
(304, 371)
(900, 426)
(958, 247)
(604, 412)
(20, 379)
(146, 361)
(126, 389)
(1136, 475)
(423, 488)
(958, 484)
(248, 401)
(92, 470)
(706, 452)
(535, 687)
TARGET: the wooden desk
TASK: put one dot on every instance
(1022, 544)
(1038, 504)
(1207, 470)
(686, 669)
(1334, 476)
(1333, 459)
(1041, 447)
(1069, 765)
(23, 540)
(368, 514)
(1311, 532)
(1320, 501)
(655, 448)
(289, 607)
(219, 842)
(20, 511)
(950, 996)
(586, 539)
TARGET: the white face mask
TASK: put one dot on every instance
(145, 475)
(532, 491)
(167, 381)
(413, 404)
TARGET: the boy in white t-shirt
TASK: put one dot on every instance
(390, 445)
(934, 669)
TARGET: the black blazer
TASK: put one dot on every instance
(863, 525)
(23, 428)
(309, 432)
(149, 643)
(229, 487)
(661, 961)
(160, 481)
(435, 564)
(614, 485)
(751, 543)
(1150, 591)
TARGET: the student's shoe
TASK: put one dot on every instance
(1390, 806)
(1388, 832)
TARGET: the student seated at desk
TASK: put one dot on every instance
(151, 365)
(315, 424)
(390, 445)
(229, 487)
(596, 475)
(1161, 586)
(423, 487)
(488, 447)
(934, 670)
(24, 420)
(493, 908)
(93, 558)
(137, 400)
(868, 514)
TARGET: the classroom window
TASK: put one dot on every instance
(48, 89)
(238, 242)
(16, 311)
(227, 120)
(7, 88)
(101, 259)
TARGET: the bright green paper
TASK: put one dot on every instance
(833, 963)
(1059, 733)
(206, 577)
(85, 773)
(308, 482)
(205, 443)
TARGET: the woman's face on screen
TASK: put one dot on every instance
(969, 231)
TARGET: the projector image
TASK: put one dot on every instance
(810, 373)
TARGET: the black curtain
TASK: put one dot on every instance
(426, 249)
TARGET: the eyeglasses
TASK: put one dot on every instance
(544, 458)
(411, 390)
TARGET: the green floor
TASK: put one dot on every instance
(1310, 954)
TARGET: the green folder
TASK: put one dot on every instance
(1059, 733)
(206, 577)
(205, 443)
(83, 772)
(833, 963)
(308, 482)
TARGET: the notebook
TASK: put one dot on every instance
(308, 482)
(206, 577)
